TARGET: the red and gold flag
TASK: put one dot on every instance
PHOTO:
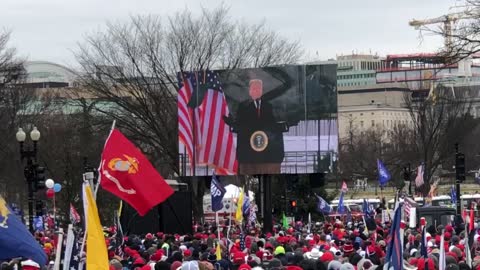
(128, 174)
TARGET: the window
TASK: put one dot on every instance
(361, 114)
(373, 123)
(361, 124)
(373, 113)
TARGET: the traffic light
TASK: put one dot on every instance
(460, 167)
(293, 203)
(40, 178)
(293, 206)
(39, 208)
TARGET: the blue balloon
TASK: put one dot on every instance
(57, 187)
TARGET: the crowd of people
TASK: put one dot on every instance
(329, 246)
(321, 246)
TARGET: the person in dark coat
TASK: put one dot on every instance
(260, 148)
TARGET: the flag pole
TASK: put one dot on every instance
(218, 225)
(68, 247)
(84, 240)
(99, 178)
(309, 223)
(59, 250)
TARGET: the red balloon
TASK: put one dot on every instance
(50, 193)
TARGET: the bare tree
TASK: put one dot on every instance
(133, 67)
(439, 122)
(19, 107)
(12, 101)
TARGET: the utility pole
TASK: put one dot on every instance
(459, 175)
(33, 173)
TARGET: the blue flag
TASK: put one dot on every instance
(383, 174)
(366, 208)
(453, 195)
(38, 224)
(15, 240)
(217, 191)
(323, 206)
(246, 206)
(394, 258)
(341, 207)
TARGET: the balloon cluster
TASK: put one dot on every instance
(52, 188)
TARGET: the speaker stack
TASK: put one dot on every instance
(172, 216)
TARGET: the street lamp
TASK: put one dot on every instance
(33, 173)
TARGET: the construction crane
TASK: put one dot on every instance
(448, 22)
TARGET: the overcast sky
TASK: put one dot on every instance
(50, 29)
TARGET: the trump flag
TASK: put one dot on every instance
(128, 174)
(15, 240)
(217, 191)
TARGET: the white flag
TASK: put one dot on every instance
(441, 261)
(68, 247)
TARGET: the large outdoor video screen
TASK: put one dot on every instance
(270, 120)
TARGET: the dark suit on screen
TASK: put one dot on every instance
(249, 119)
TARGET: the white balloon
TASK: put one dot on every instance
(49, 183)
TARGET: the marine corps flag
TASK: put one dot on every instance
(127, 173)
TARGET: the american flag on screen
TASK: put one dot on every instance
(186, 134)
(201, 128)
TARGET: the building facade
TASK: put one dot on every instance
(356, 69)
(374, 106)
(43, 74)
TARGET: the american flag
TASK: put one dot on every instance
(242, 241)
(119, 242)
(419, 179)
(252, 218)
(186, 115)
(74, 216)
(215, 145)
(406, 208)
(71, 256)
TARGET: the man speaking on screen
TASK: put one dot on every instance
(260, 148)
